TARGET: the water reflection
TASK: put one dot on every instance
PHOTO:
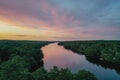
(105, 64)
(55, 55)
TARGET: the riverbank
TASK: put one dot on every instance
(57, 55)
(28, 50)
(23, 60)
(102, 50)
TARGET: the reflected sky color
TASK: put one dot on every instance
(55, 55)
(59, 19)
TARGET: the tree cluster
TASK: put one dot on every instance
(22, 60)
(28, 50)
(103, 50)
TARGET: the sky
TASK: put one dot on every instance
(60, 19)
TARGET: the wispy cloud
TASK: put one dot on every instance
(64, 19)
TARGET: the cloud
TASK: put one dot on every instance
(41, 13)
(64, 18)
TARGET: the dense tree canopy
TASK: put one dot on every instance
(104, 50)
(62, 74)
(29, 50)
(22, 60)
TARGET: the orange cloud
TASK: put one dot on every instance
(47, 20)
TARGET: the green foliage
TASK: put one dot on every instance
(14, 69)
(29, 50)
(106, 50)
(19, 58)
(40, 74)
(85, 75)
(62, 74)
(22, 60)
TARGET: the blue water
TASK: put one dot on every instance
(55, 55)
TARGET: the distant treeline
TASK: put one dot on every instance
(22, 60)
(102, 50)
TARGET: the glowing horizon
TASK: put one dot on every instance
(60, 20)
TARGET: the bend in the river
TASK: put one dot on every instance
(56, 55)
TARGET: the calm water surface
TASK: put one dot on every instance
(55, 55)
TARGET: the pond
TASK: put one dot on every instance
(56, 55)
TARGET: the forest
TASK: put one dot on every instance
(23, 60)
(106, 50)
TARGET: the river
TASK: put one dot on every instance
(56, 55)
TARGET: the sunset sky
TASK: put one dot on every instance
(60, 19)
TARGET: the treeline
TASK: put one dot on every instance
(15, 70)
(28, 50)
(62, 74)
(104, 64)
(22, 60)
(102, 50)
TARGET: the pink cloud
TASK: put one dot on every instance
(31, 17)
(52, 19)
